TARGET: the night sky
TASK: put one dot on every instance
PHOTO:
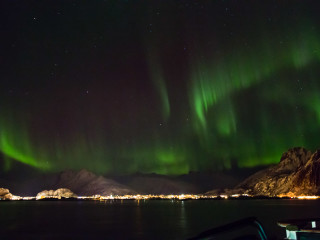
(157, 86)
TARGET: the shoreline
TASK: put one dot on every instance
(181, 197)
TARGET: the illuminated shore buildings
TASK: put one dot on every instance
(166, 197)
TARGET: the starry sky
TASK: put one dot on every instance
(157, 86)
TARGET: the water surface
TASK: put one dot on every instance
(146, 219)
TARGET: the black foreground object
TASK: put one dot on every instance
(250, 221)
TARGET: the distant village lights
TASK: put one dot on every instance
(163, 197)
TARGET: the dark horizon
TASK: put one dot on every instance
(119, 87)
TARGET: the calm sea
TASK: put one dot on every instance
(149, 219)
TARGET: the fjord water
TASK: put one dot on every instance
(147, 219)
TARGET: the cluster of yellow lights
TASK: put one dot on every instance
(144, 197)
(14, 197)
(293, 196)
(308, 197)
(162, 196)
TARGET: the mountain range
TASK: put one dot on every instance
(297, 173)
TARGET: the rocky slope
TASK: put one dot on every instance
(307, 179)
(59, 193)
(5, 194)
(86, 183)
(278, 179)
(297, 173)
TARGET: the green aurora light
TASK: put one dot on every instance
(192, 99)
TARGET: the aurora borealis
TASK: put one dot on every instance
(158, 86)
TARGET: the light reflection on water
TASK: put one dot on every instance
(144, 219)
(183, 217)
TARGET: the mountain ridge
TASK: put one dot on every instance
(297, 173)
